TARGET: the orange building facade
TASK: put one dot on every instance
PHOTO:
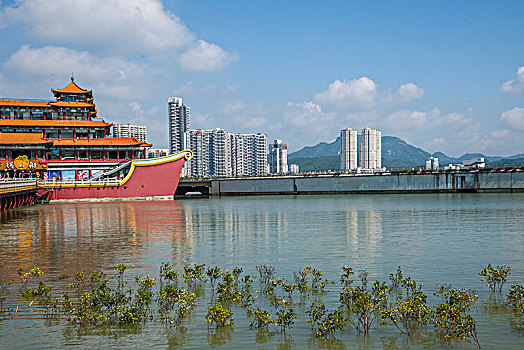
(62, 139)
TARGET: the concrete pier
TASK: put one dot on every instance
(16, 193)
(511, 181)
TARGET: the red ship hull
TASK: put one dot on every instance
(157, 177)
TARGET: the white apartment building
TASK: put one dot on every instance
(432, 163)
(130, 130)
(251, 154)
(371, 149)
(294, 169)
(179, 123)
(278, 157)
(157, 152)
(348, 150)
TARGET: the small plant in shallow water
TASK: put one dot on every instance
(262, 318)
(409, 312)
(266, 272)
(323, 323)
(516, 300)
(452, 320)
(364, 304)
(495, 277)
(285, 319)
(219, 316)
(168, 274)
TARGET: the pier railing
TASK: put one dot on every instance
(98, 182)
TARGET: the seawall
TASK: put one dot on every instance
(388, 183)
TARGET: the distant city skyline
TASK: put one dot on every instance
(444, 76)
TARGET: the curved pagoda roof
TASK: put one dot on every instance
(72, 88)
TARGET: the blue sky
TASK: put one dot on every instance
(443, 75)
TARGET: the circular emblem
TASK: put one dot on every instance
(21, 162)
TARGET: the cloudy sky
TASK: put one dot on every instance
(443, 75)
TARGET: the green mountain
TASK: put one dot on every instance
(396, 154)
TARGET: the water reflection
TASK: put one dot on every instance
(364, 232)
(66, 238)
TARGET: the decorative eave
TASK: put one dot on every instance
(108, 141)
(72, 88)
(13, 138)
(55, 123)
(23, 103)
(71, 104)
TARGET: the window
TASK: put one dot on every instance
(96, 154)
(67, 134)
(55, 155)
(68, 155)
(82, 155)
(52, 134)
(110, 154)
(81, 134)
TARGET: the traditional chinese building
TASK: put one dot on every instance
(63, 138)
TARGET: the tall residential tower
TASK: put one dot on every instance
(278, 158)
(371, 149)
(178, 123)
(348, 149)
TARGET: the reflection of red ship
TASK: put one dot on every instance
(138, 178)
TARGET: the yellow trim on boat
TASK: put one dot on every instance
(187, 154)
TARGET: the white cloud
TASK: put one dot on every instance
(417, 120)
(115, 26)
(206, 57)
(363, 93)
(309, 124)
(513, 118)
(360, 92)
(112, 77)
(247, 117)
(188, 88)
(405, 93)
(514, 85)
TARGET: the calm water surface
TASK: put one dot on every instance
(437, 238)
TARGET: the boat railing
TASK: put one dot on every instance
(96, 182)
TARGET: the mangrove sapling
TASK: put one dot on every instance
(409, 312)
(396, 279)
(323, 323)
(194, 275)
(168, 274)
(516, 300)
(120, 269)
(452, 320)
(495, 277)
(288, 288)
(262, 318)
(301, 280)
(285, 319)
(213, 274)
(219, 316)
(365, 305)
(266, 272)
(26, 277)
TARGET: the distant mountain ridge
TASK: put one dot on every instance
(396, 154)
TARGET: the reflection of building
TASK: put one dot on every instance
(91, 237)
(278, 157)
(364, 230)
(179, 123)
(61, 138)
(130, 130)
(371, 149)
(348, 149)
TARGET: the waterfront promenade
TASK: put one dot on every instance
(448, 182)
(17, 192)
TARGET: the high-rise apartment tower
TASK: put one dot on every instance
(178, 123)
(278, 157)
(130, 130)
(348, 149)
(371, 149)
